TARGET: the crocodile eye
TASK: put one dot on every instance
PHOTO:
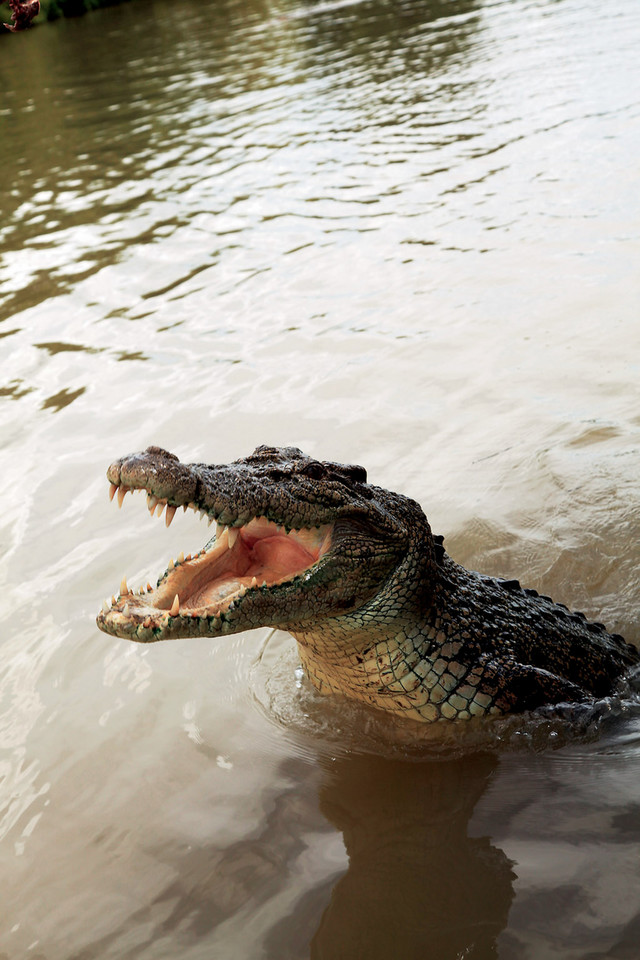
(314, 470)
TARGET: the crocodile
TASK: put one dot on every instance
(381, 613)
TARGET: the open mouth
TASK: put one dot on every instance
(238, 561)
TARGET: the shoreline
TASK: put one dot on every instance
(54, 9)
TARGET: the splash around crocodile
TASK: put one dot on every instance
(381, 613)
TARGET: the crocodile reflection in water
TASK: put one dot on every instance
(381, 613)
(417, 886)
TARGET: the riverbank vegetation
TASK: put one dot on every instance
(53, 9)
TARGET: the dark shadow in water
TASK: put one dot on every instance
(417, 885)
(62, 399)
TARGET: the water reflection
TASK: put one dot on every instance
(213, 124)
(62, 399)
(418, 886)
(395, 232)
(389, 41)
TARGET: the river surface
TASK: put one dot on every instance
(397, 233)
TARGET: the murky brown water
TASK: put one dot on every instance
(398, 233)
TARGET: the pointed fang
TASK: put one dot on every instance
(232, 536)
(175, 607)
(170, 514)
(122, 492)
(113, 488)
(124, 589)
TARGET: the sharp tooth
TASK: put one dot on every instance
(254, 583)
(184, 508)
(161, 507)
(112, 490)
(242, 590)
(122, 492)
(175, 606)
(222, 533)
(171, 564)
(124, 589)
(202, 513)
(170, 514)
(152, 503)
(149, 588)
(106, 606)
(181, 557)
(264, 583)
(232, 536)
(113, 600)
(187, 558)
(127, 610)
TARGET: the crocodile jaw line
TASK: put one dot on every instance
(240, 560)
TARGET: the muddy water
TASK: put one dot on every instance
(402, 234)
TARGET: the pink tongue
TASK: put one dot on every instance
(215, 592)
(271, 559)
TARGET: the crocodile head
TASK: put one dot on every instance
(299, 544)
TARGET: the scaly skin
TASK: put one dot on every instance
(380, 612)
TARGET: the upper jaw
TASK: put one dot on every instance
(237, 492)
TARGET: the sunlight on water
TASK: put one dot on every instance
(402, 234)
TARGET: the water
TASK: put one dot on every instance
(396, 233)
